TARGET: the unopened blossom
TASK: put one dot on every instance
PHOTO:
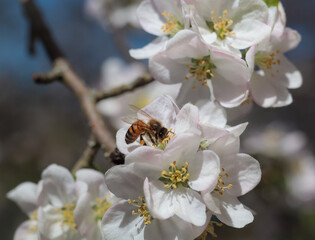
(239, 174)
(276, 74)
(231, 25)
(197, 66)
(176, 175)
(25, 196)
(163, 18)
(132, 218)
(163, 109)
(92, 204)
(116, 73)
(58, 198)
(116, 13)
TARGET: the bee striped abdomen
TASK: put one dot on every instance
(134, 131)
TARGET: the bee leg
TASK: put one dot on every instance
(142, 142)
(151, 139)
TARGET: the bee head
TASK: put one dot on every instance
(163, 133)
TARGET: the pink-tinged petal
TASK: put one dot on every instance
(24, 231)
(262, 91)
(192, 91)
(121, 141)
(244, 173)
(204, 171)
(150, 19)
(24, 195)
(125, 181)
(93, 179)
(183, 202)
(229, 94)
(233, 212)
(250, 58)
(246, 34)
(119, 223)
(187, 120)
(211, 133)
(284, 98)
(166, 70)
(163, 109)
(182, 148)
(212, 113)
(238, 129)
(149, 50)
(58, 186)
(145, 154)
(289, 74)
(226, 145)
(289, 40)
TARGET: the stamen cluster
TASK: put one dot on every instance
(175, 176)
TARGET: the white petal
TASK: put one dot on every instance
(25, 196)
(24, 232)
(187, 120)
(150, 19)
(234, 213)
(211, 112)
(244, 173)
(289, 40)
(119, 223)
(226, 145)
(58, 186)
(262, 91)
(238, 129)
(94, 180)
(149, 50)
(204, 171)
(212, 202)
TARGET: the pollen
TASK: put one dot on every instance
(221, 25)
(268, 61)
(175, 176)
(172, 25)
(162, 144)
(100, 208)
(142, 210)
(67, 218)
(221, 185)
(200, 70)
(33, 227)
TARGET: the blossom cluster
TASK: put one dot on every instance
(183, 170)
(228, 50)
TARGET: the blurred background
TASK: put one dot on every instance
(40, 125)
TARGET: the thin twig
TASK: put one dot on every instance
(40, 31)
(141, 81)
(88, 155)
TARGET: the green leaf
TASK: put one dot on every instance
(272, 3)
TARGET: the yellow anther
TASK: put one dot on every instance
(230, 186)
(225, 12)
(164, 13)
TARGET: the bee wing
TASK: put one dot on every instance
(130, 119)
(139, 111)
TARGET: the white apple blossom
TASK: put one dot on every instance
(57, 199)
(269, 85)
(187, 60)
(239, 174)
(231, 25)
(25, 196)
(117, 13)
(116, 73)
(163, 109)
(92, 205)
(132, 218)
(176, 175)
(163, 18)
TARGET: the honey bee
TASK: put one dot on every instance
(150, 128)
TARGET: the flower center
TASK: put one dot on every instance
(210, 230)
(67, 216)
(162, 145)
(172, 25)
(268, 61)
(100, 208)
(221, 25)
(221, 185)
(201, 70)
(175, 176)
(33, 226)
(143, 210)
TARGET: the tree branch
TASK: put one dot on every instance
(88, 155)
(62, 70)
(141, 81)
